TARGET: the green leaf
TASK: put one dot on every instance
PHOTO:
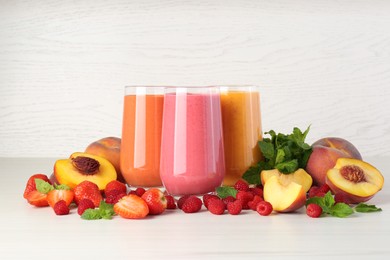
(328, 200)
(279, 156)
(61, 187)
(43, 186)
(267, 149)
(364, 208)
(341, 210)
(226, 191)
(252, 175)
(91, 214)
(320, 201)
(288, 166)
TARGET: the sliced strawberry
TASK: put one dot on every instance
(56, 195)
(132, 207)
(37, 198)
(30, 186)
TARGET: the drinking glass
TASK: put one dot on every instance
(141, 135)
(242, 130)
(192, 156)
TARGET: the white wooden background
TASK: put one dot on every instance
(63, 65)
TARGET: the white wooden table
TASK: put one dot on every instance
(27, 232)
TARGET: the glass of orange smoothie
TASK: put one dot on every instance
(241, 119)
(141, 135)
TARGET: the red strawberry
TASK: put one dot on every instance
(30, 186)
(55, 195)
(87, 190)
(156, 201)
(170, 202)
(37, 198)
(241, 185)
(131, 206)
(115, 185)
(191, 204)
(85, 204)
(234, 208)
(60, 208)
(217, 207)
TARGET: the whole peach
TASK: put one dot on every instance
(325, 153)
(108, 148)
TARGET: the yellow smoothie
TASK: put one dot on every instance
(241, 119)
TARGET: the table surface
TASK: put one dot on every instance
(28, 232)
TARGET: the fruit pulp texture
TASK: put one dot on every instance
(242, 130)
(141, 140)
(192, 158)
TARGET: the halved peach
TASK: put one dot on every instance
(359, 181)
(284, 195)
(82, 166)
(300, 176)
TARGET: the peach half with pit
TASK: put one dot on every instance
(283, 194)
(325, 153)
(80, 167)
(110, 149)
(356, 180)
(300, 176)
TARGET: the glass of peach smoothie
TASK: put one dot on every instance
(141, 135)
(192, 155)
(241, 118)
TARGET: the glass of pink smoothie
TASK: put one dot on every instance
(192, 152)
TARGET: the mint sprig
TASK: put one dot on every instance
(226, 191)
(328, 205)
(105, 211)
(365, 208)
(43, 186)
(284, 152)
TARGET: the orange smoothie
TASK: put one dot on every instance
(242, 130)
(141, 139)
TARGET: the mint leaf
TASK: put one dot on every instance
(328, 201)
(341, 210)
(267, 149)
(287, 167)
(226, 191)
(91, 214)
(61, 187)
(43, 186)
(106, 210)
(252, 175)
(364, 208)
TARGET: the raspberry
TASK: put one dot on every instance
(320, 194)
(228, 199)
(132, 192)
(216, 206)
(207, 198)
(170, 202)
(114, 196)
(60, 208)
(313, 210)
(139, 191)
(324, 188)
(182, 200)
(192, 204)
(340, 197)
(115, 185)
(85, 204)
(253, 203)
(241, 185)
(244, 197)
(256, 191)
(313, 191)
(234, 208)
(264, 208)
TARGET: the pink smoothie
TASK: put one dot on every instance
(192, 153)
